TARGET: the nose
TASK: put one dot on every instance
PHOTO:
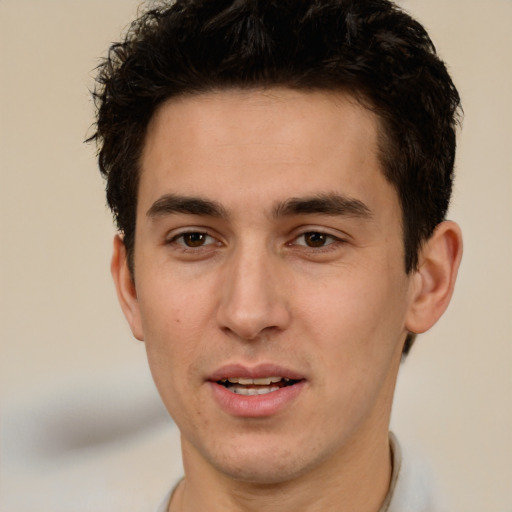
(253, 296)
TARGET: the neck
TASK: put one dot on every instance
(357, 479)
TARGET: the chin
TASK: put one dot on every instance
(267, 466)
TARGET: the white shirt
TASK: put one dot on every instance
(412, 486)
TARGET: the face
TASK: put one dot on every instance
(269, 279)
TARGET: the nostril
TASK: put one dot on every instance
(251, 336)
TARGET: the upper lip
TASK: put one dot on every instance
(254, 372)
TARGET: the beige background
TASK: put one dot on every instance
(81, 425)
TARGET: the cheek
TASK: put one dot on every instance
(171, 306)
(172, 347)
(171, 323)
(356, 315)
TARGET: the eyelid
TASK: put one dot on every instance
(181, 236)
(333, 238)
(327, 231)
(336, 241)
(173, 236)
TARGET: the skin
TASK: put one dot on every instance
(248, 285)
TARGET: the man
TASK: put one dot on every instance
(280, 174)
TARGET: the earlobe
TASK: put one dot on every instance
(125, 288)
(435, 277)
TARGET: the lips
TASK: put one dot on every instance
(262, 371)
(255, 391)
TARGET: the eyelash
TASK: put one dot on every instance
(175, 240)
(329, 239)
(325, 236)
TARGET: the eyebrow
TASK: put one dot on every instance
(170, 204)
(323, 204)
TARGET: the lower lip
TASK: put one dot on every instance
(255, 406)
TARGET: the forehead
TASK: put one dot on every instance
(273, 143)
(261, 115)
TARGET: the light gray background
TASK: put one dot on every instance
(81, 425)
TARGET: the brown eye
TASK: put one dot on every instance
(315, 239)
(193, 239)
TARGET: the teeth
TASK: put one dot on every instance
(250, 387)
(263, 381)
(245, 382)
(254, 391)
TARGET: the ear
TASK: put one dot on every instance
(125, 288)
(439, 261)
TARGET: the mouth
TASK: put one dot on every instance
(259, 386)
(260, 391)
